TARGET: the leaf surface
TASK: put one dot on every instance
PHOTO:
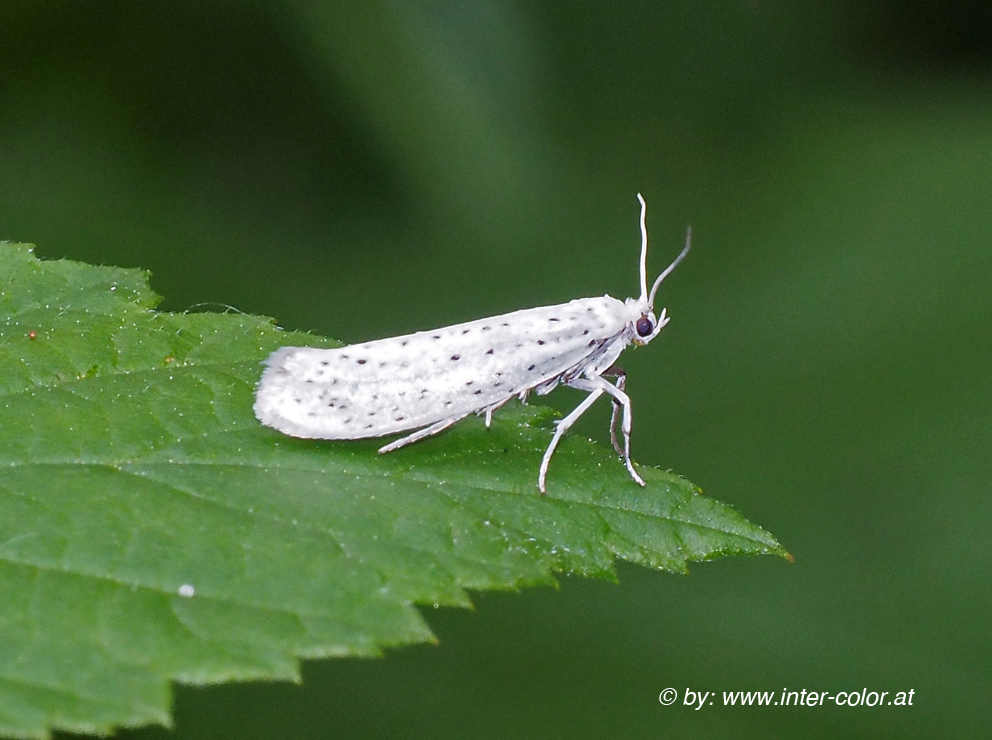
(152, 530)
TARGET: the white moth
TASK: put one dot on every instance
(429, 380)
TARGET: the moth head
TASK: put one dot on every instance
(646, 326)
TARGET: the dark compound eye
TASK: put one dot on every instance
(644, 326)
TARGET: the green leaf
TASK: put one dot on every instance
(152, 530)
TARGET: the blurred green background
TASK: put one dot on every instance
(365, 169)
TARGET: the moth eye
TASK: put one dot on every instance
(644, 326)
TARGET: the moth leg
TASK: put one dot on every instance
(420, 434)
(488, 411)
(621, 375)
(624, 400)
(563, 425)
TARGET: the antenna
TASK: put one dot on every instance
(644, 249)
(668, 270)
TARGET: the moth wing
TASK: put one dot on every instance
(402, 383)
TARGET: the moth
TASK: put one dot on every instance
(429, 380)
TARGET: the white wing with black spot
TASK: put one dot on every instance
(402, 383)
